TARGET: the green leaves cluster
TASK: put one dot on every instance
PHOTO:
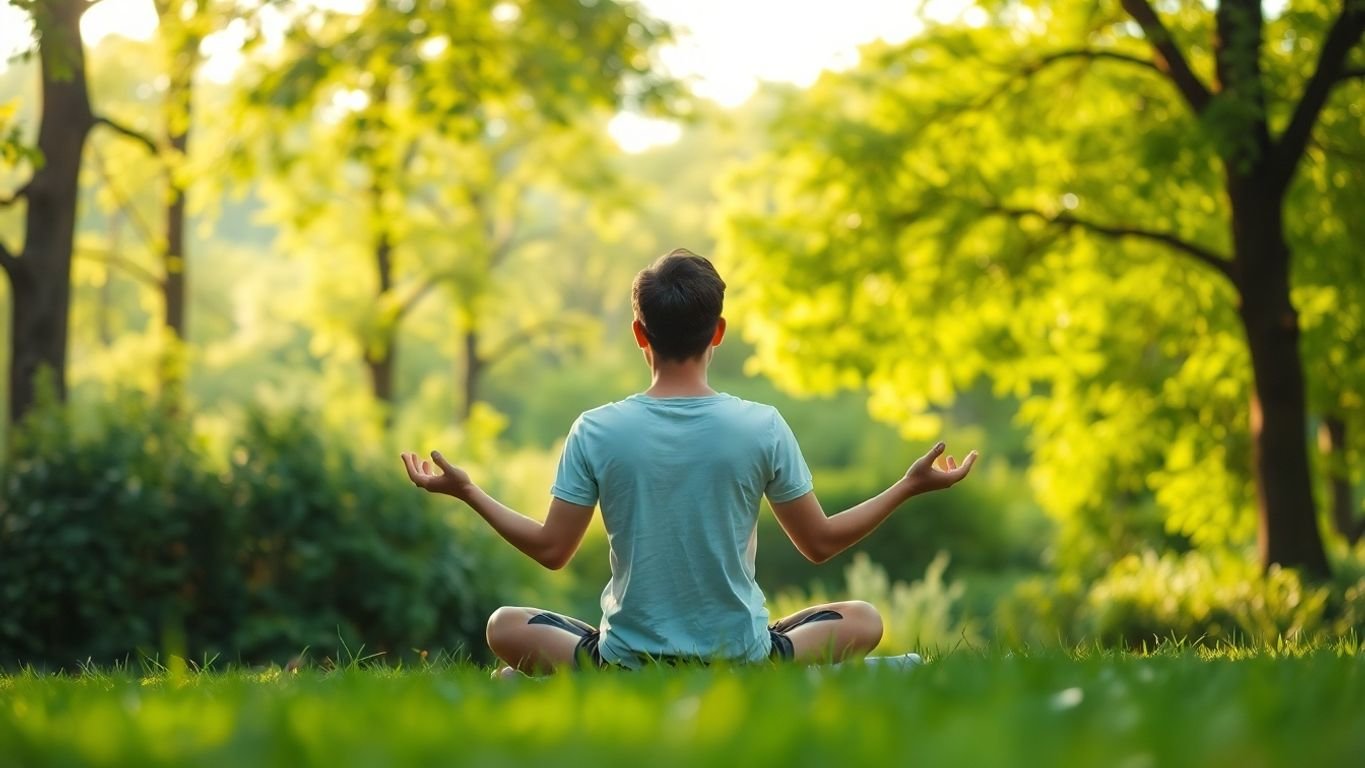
(434, 148)
(1028, 202)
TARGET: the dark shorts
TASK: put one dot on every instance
(589, 636)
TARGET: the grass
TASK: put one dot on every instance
(1100, 709)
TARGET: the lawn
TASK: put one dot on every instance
(1167, 709)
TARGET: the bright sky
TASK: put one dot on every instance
(725, 48)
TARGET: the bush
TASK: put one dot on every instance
(118, 539)
(96, 531)
(922, 615)
(1147, 598)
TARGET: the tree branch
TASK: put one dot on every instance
(1341, 38)
(132, 268)
(1093, 54)
(522, 336)
(1170, 61)
(125, 204)
(131, 133)
(1350, 74)
(1219, 263)
(411, 302)
(1032, 68)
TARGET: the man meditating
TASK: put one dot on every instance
(678, 471)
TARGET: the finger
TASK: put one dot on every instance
(411, 468)
(441, 462)
(968, 462)
(931, 458)
(952, 463)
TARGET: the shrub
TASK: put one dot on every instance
(116, 538)
(1146, 598)
(1196, 595)
(924, 614)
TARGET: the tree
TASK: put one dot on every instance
(439, 108)
(40, 273)
(1101, 208)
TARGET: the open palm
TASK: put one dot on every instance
(930, 474)
(451, 480)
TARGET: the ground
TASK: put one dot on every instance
(1100, 709)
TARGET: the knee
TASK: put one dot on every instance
(502, 624)
(868, 621)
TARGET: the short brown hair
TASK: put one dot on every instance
(678, 300)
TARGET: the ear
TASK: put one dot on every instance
(640, 338)
(720, 332)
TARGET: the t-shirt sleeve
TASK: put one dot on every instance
(790, 477)
(574, 480)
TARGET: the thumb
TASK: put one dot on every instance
(927, 460)
(441, 462)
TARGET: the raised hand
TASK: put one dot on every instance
(451, 480)
(929, 474)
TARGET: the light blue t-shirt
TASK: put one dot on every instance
(679, 481)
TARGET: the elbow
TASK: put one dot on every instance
(554, 561)
(819, 554)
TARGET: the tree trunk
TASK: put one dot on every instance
(182, 38)
(1332, 444)
(1288, 531)
(473, 370)
(174, 283)
(41, 277)
(380, 364)
(379, 349)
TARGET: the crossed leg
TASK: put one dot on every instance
(528, 643)
(534, 641)
(832, 632)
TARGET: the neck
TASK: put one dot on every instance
(679, 379)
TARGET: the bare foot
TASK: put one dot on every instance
(506, 673)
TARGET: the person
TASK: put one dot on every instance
(678, 471)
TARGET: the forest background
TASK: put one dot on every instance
(1117, 248)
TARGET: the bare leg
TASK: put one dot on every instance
(534, 648)
(833, 632)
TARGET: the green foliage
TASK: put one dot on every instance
(118, 536)
(13, 149)
(445, 149)
(105, 535)
(334, 540)
(967, 709)
(1146, 599)
(1195, 595)
(924, 615)
(977, 204)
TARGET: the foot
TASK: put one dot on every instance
(506, 673)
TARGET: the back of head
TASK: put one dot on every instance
(678, 300)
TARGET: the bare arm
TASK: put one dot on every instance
(551, 543)
(819, 537)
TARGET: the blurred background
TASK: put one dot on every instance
(256, 248)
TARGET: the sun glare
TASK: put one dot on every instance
(724, 48)
(135, 19)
